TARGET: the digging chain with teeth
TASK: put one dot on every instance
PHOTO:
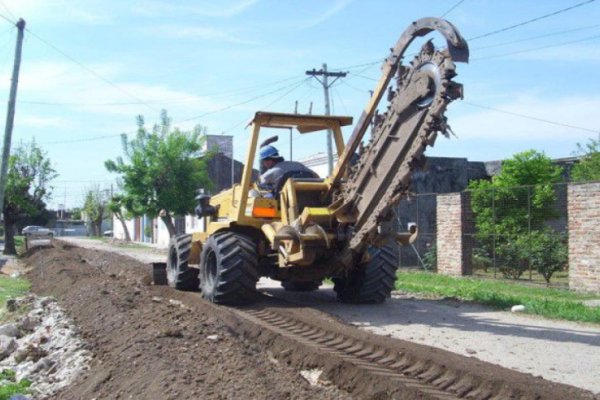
(414, 117)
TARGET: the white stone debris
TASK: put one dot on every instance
(47, 351)
(313, 377)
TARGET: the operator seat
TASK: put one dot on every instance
(303, 199)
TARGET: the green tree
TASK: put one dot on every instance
(118, 206)
(515, 203)
(161, 170)
(76, 213)
(27, 188)
(95, 206)
(588, 169)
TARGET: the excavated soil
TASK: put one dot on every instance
(152, 342)
(147, 347)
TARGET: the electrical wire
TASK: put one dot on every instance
(535, 48)
(7, 10)
(529, 21)
(90, 70)
(182, 101)
(268, 105)
(341, 100)
(86, 139)
(536, 37)
(487, 33)
(239, 104)
(458, 3)
(10, 21)
(364, 77)
(350, 67)
(102, 137)
(344, 82)
(530, 117)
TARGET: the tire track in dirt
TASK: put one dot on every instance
(372, 366)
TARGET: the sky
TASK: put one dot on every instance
(91, 66)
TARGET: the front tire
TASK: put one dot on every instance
(228, 268)
(371, 282)
(179, 274)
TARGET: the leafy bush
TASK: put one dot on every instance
(512, 257)
(430, 258)
(549, 253)
(588, 169)
(543, 250)
(481, 260)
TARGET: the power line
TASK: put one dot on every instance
(10, 21)
(529, 21)
(486, 34)
(345, 82)
(87, 139)
(268, 105)
(452, 8)
(7, 10)
(96, 138)
(238, 104)
(363, 77)
(530, 117)
(181, 101)
(536, 48)
(368, 64)
(536, 37)
(81, 65)
(341, 100)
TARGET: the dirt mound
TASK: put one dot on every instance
(152, 342)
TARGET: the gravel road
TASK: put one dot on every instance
(559, 351)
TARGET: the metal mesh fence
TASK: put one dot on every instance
(518, 233)
(419, 209)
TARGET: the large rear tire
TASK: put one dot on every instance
(179, 274)
(371, 282)
(228, 268)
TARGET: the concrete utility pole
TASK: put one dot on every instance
(326, 85)
(10, 114)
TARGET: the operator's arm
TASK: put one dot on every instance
(267, 180)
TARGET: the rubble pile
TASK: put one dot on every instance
(42, 345)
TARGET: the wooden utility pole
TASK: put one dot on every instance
(10, 114)
(326, 85)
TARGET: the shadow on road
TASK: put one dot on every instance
(399, 313)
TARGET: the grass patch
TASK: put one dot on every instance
(9, 385)
(547, 302)
(19, 241)
(11, 287)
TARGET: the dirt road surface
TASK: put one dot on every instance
(555, 350)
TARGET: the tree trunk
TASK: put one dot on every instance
(169, 223)
(98, 227)
(9, 238)
(124, 224)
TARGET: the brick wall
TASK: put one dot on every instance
(453, 246)
(584, 236)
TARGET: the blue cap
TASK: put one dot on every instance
(268, 152)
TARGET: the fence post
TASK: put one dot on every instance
(529, 231)
(453, 247)
(583, 205)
